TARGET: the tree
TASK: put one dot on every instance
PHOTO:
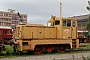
(88, 24)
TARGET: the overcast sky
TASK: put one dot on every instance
(39, 11)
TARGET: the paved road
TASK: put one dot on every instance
(71, 56)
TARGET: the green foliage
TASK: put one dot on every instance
(88, 58)
(85, 34)
(84, 46)
(9, 49)
(88, 2)
(88, 26)
(88, 7)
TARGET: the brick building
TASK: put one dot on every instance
(82, 21)
(10, 18)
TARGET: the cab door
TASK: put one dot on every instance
(74, 29)
(66, 29)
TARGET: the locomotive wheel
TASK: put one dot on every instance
(49, 49)
(61, 49)
(37, 50)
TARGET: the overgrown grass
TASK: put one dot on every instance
(84, 46)
(9, 50)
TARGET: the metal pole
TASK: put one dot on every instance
(60, 9)
(81, 25)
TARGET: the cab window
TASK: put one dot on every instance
(57, 22)
(73, 24)
(64, 22)
(68, 23)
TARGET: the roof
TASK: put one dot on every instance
(5, 27)
(81, 17)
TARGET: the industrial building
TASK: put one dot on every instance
(82, 21)
(10, 18)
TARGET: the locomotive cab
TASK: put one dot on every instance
(66, 27)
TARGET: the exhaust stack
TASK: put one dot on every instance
(60, 9)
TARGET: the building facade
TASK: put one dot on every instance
(11, 18)
(82, 21)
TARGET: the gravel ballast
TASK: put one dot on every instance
(68, 56)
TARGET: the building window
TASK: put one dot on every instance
(3, 14)
(80, 24)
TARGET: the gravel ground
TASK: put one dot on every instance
(71, 56)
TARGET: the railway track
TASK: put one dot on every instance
(49, 56)
(55, 52)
